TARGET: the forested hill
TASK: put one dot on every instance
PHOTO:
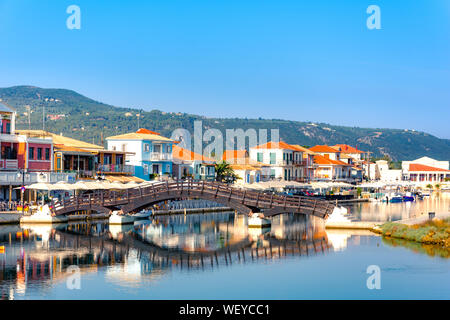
(77, 116)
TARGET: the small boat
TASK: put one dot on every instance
(396, 199)
(117, 218)
(408, 197)
(256, 222)
(142, 215)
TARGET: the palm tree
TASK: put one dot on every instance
(224, 172)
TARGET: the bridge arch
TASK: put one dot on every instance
(243, 201)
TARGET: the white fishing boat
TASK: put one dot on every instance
(117, 218)
(142, 215)
(256, 222)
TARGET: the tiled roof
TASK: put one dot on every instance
(323, 149)
(64, 148)
(184, 154)
(422, 167)
(346, 148)
(303, 149)
(234, 154)
(140, 136)
(279, 145)
(318, 159)
(146, 131)
(60, 140)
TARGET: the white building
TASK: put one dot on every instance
(287, 162)
(426, 169)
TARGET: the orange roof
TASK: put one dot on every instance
(184, 154)
(61, 147)
(318, 159)
(303, 149)
(422, 167)
(279, 145)
(234, 154)
(146, 131)
(346, 148)
(323, 149)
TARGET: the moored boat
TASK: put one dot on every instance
(256, 222)
(117, 218)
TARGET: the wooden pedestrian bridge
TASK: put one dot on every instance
(243, 201)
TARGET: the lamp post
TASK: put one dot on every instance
(22, 173)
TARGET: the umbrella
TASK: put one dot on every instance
(62, 185)
(40, 186)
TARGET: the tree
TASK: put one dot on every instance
(225, 173)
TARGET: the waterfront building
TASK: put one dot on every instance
(343, 153)
(327, 169)
(23, 160)
(151, 153)
(85, 160)
(187, 163)
(247, 169)
(287, 162)
(426, 170)
(383, 172)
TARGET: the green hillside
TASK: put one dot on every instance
(83, 118)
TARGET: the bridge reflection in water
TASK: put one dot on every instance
(38, 256)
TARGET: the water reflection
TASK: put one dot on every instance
(36, 257)
(381, 211)
(423, 248)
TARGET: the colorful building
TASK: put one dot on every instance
(426, 170)
(287, 162)
(151, 153)
(187, 163)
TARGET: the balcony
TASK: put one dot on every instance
(9, 164)
(115, 168)
(160, 156)
(15, 178)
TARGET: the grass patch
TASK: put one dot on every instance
(431, 232)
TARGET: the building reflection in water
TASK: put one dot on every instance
(381, 211)
(37, 257)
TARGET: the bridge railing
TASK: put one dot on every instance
(184, 187)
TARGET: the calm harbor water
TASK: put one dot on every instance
(215, 256)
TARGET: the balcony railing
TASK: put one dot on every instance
(15, 178)
(160, 156)
(115, 168)
(9, 164)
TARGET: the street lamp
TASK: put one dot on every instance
(22, 173)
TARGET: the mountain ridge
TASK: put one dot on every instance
(77, 116)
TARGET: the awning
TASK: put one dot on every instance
(122, 178)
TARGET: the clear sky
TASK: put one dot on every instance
(297, 60)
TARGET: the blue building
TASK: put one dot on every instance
(151, 153)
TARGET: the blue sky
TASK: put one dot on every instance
(297, 60)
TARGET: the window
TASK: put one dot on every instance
(47, 153)
(39, 154)
(31, 153)
(273, 157)
(146, 147)
(260, 157)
